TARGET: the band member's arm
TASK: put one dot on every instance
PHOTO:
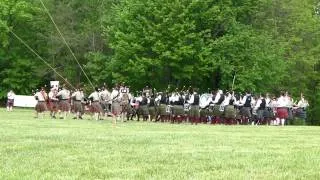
(191, 100)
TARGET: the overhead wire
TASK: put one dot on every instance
(64, 40)
(37, 54)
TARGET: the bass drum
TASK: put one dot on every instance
(186, 107)
(204, 100)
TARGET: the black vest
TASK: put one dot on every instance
(151, 102)
(144, 101)
(221, 99)
(163, 100)
(213, 97)
(196, 99)
(248, 102)
(180, 102)
(262, 105)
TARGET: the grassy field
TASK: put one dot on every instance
(83, 149)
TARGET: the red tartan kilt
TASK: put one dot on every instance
(282, 113)
(77, 106)
(64, 105)
(53, 106)
(41, 107)
(96, 107)
(116, 108)
(10, 102)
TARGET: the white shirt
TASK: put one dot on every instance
(139, 99)
(11, 95)
(105, 95)
(40, 96)
(289, 101)
(303, 103)
(115, 94)
(216, 99)
(78, 95)
(174, 98)
(94, 96)
(258, 103)
(52, 96)
(191, 100)
(282, 102)
(158, 98)
(65, 94)
(237, 102)
(226, 100)
(268, 101)
(253, 102)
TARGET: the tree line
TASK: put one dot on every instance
(267, 45)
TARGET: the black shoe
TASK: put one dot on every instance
(53, 117)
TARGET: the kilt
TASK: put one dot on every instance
(238, 116)
(282, 113)
(177, 110)
(152, 110)
(131, 110)
(260, 113)
(290, 113)
(210, 111)
(125, 108)
(204, 112)
(194, 111)
(53, 106)
(162, 110)
(10, 102)
(144, 110)
(41, 106)
(116, 108)
(301, 113)
(216, 111)
(230, 112)
(64, 105)
(77, 106)
(96, 107)
(268, 113)
(246, 112)
(104, 105)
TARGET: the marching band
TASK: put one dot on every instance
(217, 107)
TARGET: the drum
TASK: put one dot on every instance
(186, 107)
(205, 100)
(169, 109)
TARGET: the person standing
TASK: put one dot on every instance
(282, 110)
(77, 97)
(143, 107)
(194, 111)
(41, 106)
(115, 106)
(260, 108)
(95, 104)
(124, 103)
(53, 102)
(246, 108)
(163, 100)
(64, 105)
(302, 108)
(105, 100)
(10, 96)
(219, 98)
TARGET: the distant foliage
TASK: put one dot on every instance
(267, 45)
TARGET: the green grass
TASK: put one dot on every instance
(70, 149)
